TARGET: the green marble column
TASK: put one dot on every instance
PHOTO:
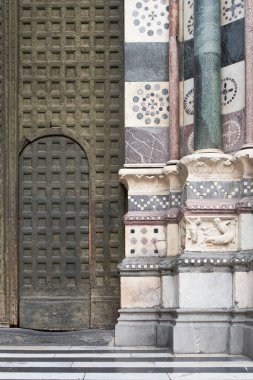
(207, 68)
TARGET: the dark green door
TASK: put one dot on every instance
(54, 276)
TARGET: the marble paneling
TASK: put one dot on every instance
(232, 92)
(140, 292)
(146, 104)
(188, 140)
(232, 49)
(233, 88)
(145, 241)
(246, 222)
(188, 102)
(187, 59)
(169, 292)
(146, 145)
(231, 11)
(146, 62)
(188, 19)
(233, 131)
(233, 43)
(205, 290)
(147, 21)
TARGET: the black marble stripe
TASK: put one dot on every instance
(232, 48)
(122, 359)
(146, 62)
(79, 351)
(221, 370)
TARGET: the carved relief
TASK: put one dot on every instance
(210, 234)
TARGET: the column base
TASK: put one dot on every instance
(248, 335)
(144, 327)
(186, 331)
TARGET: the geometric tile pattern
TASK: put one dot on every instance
(148, 203)
(146, 104)
(232, 10)
(248, 187)
(147, 21)
(145, 240)
(154, 202)
(214, 190)
(175, 199)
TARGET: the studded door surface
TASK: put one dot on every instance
(70, 66)
(54, 235)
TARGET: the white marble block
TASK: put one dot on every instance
(205, 290)
(140, 292)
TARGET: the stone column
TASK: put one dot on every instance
(207, 61)
(174, 81)
(249, 69)
(243, 279)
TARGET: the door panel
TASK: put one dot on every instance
(54, 276)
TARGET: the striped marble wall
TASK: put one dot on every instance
(146, 82)
(232, 75)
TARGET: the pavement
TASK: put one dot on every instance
(45, 355)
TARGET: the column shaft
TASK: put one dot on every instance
(207, 68)
(249, 69)
(174, 81)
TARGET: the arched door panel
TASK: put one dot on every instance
(54, 285)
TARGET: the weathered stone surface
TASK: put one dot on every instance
(205, 290)
(89, 337)
(169, 291)
(219, 233)
(243, 285)
(141, 292)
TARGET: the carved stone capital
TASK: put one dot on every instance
(145, 181)
(212, 165)
(245, 156)
(177, 174)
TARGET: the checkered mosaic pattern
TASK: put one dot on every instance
(213, 190)
(248, 187)
(175, 199)
(154, 202)
(145, 240)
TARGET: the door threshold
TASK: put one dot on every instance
(87, 337)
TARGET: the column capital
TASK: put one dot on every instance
(210, 164)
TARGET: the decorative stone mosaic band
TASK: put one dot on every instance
(248, 187)
(214, 190)
(173, 264)
(153, 203)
